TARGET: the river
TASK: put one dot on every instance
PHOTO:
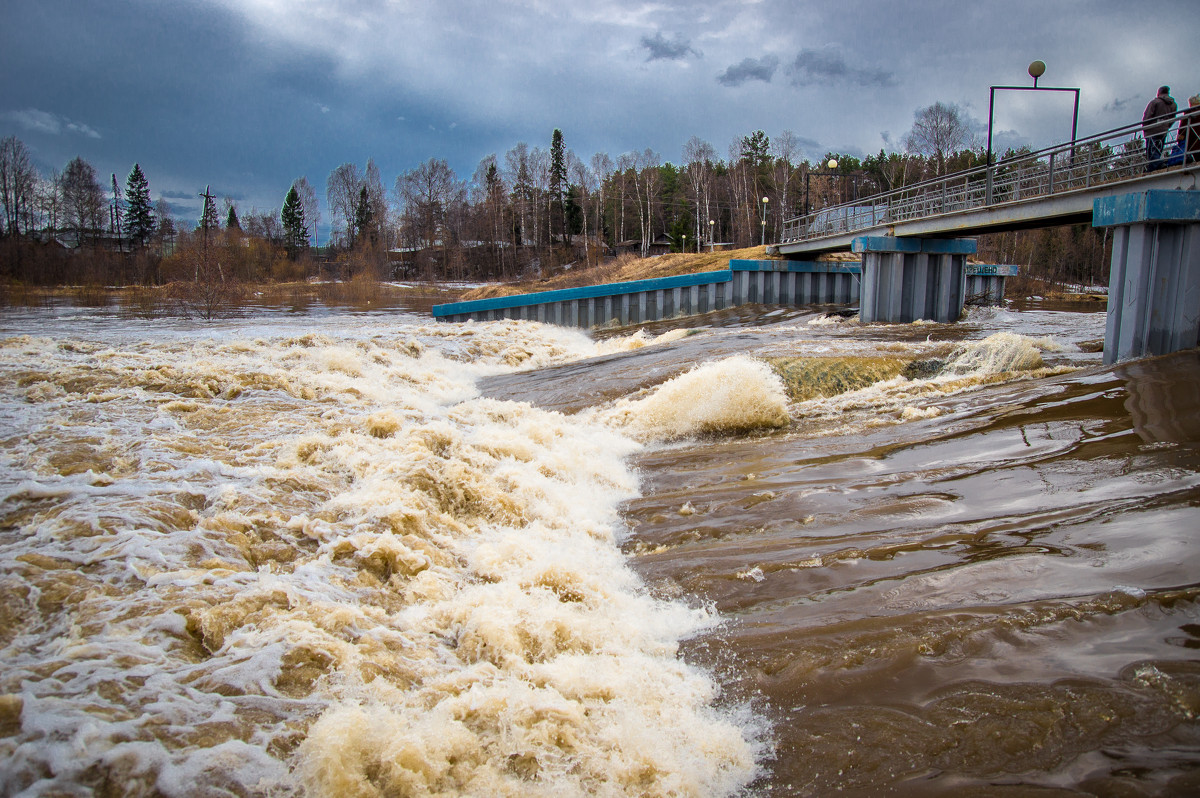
(759, 552)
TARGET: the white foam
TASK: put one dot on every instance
(731, 395)
(269, 556)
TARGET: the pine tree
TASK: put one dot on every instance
(139, 215)
(295, 231)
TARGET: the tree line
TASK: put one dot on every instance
(528, 211)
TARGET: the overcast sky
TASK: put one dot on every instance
(247, 95)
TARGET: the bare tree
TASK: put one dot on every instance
(626, 164)
(48, 202)
(585, 181)
(424, 192)
(741, 192)
(699, 157)
(516, 163)
(602, 168)
(427, 195)
(787, 168)
(646, 185)
(166, 230)
(18, 180)
(342, 190)
(83, 199)
(488, 194)
(938, 132)
(539, 175)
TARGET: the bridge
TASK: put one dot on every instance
(914, 240)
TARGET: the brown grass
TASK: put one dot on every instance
(624, 269)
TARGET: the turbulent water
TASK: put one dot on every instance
(752, 553)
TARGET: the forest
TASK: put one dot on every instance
(528, 213)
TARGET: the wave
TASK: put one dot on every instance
(321, 564)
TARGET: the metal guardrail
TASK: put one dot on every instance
(1108, 157)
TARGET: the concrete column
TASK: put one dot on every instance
(1154, 278)
(905, 279)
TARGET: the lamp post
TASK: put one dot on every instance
(1036, 70)
(684, 247)
(711, 243)
(831, 164)
(764, 223)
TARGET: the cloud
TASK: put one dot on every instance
(827, 66)
(750, 69)
(1120, 105)
(661, 49)
(36, 121)
(82, 129)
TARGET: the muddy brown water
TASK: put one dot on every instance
(760, 552)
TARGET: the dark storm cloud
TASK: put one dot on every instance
(234, 94)
(750, 69)
(820, 67)
(660, 49)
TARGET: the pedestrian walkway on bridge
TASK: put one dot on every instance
(1054, 186)
(913, 240)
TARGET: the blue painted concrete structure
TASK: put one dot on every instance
(1154, 279)
(906, 279)
(770, 282)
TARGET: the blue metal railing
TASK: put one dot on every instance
(1118, 154)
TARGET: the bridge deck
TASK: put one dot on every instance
(1072, 207)
(1054, 186)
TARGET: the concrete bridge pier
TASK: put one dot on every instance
(1154, 279)
(905, 279)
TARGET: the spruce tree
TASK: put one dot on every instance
(558, 176)
(295, 231)
(364, 218)
(231, 218)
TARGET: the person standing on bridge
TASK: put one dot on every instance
(1189, 130)
(1156, 121)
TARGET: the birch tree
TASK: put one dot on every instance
(602, 168)
(516, 161)
(938, 132)
(698, 157)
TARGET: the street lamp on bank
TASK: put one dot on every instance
(1036, 70)
(764, 222)
(710, 235)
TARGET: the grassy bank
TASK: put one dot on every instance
(624, 269)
